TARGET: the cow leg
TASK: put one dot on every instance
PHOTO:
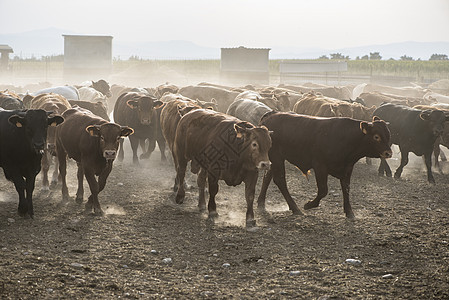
(92, 202)
(80, 190)
(161, 144)
(121, 152)
(428, 161)
(213, 190)
(19, 184)
(62, 158)
(436, 153)
(368, 161)
(263, 190)
(250, 190)
(104, 176)
(384, 167)
(345, 182)
(30, 181)
(151, 147)
(45, 167)
(180, 174)
(201, 181)
(404, 162)
(134, 145)
(278, 168)
(321, 182)
(54, 177)
(145, 154)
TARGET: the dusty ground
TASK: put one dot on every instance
(401, 228)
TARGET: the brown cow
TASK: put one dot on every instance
(206, 93)
(56, 104)
(97, 108)
(140, 112)
(166, 88)
(223, 147)
(340, 93)
(315, 104)
(170, 117)
(329, 146)
(92, 142)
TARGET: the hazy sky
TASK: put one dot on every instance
(327, 24)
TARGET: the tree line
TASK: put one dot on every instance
(377, 56)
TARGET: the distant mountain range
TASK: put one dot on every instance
(50, 41)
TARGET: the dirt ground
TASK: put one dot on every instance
(400, 238)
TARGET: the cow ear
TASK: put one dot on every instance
(55, 120)
(158, 104)
(125, 131)
(376, 118)
(93, 130)
(425, 115)
(365, 127)
(240, 131)
(132, 103)
(17, 121)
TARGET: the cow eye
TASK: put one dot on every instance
(376, 137)
(254, 145)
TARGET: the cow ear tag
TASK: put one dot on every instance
(363, 126)
(18, 124)
(54, 124)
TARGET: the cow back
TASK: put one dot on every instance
(248, 110)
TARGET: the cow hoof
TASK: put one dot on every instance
(297, 212)
(251, 224)
(179, 199)
(213, 215)
(310, 205)
(350, 215)
(98, 212)
(79, 199)
(23, 212)
(261, 208)
(144, 155)
(202, 207)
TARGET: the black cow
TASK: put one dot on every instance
(326, 145)
(413, 130)
(23, 135)
(140, 112)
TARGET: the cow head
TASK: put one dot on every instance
(284, 100)
(103, 87)
(435, 120)
(145, 106)
(35, 122)
(109, 135)
(377, 136)
(257, 143)
(213, 104)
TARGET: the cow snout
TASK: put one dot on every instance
(386, 154)
(264, 165)
(145, 122)
(109, 154)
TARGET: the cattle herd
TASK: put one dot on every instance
(225, 133)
